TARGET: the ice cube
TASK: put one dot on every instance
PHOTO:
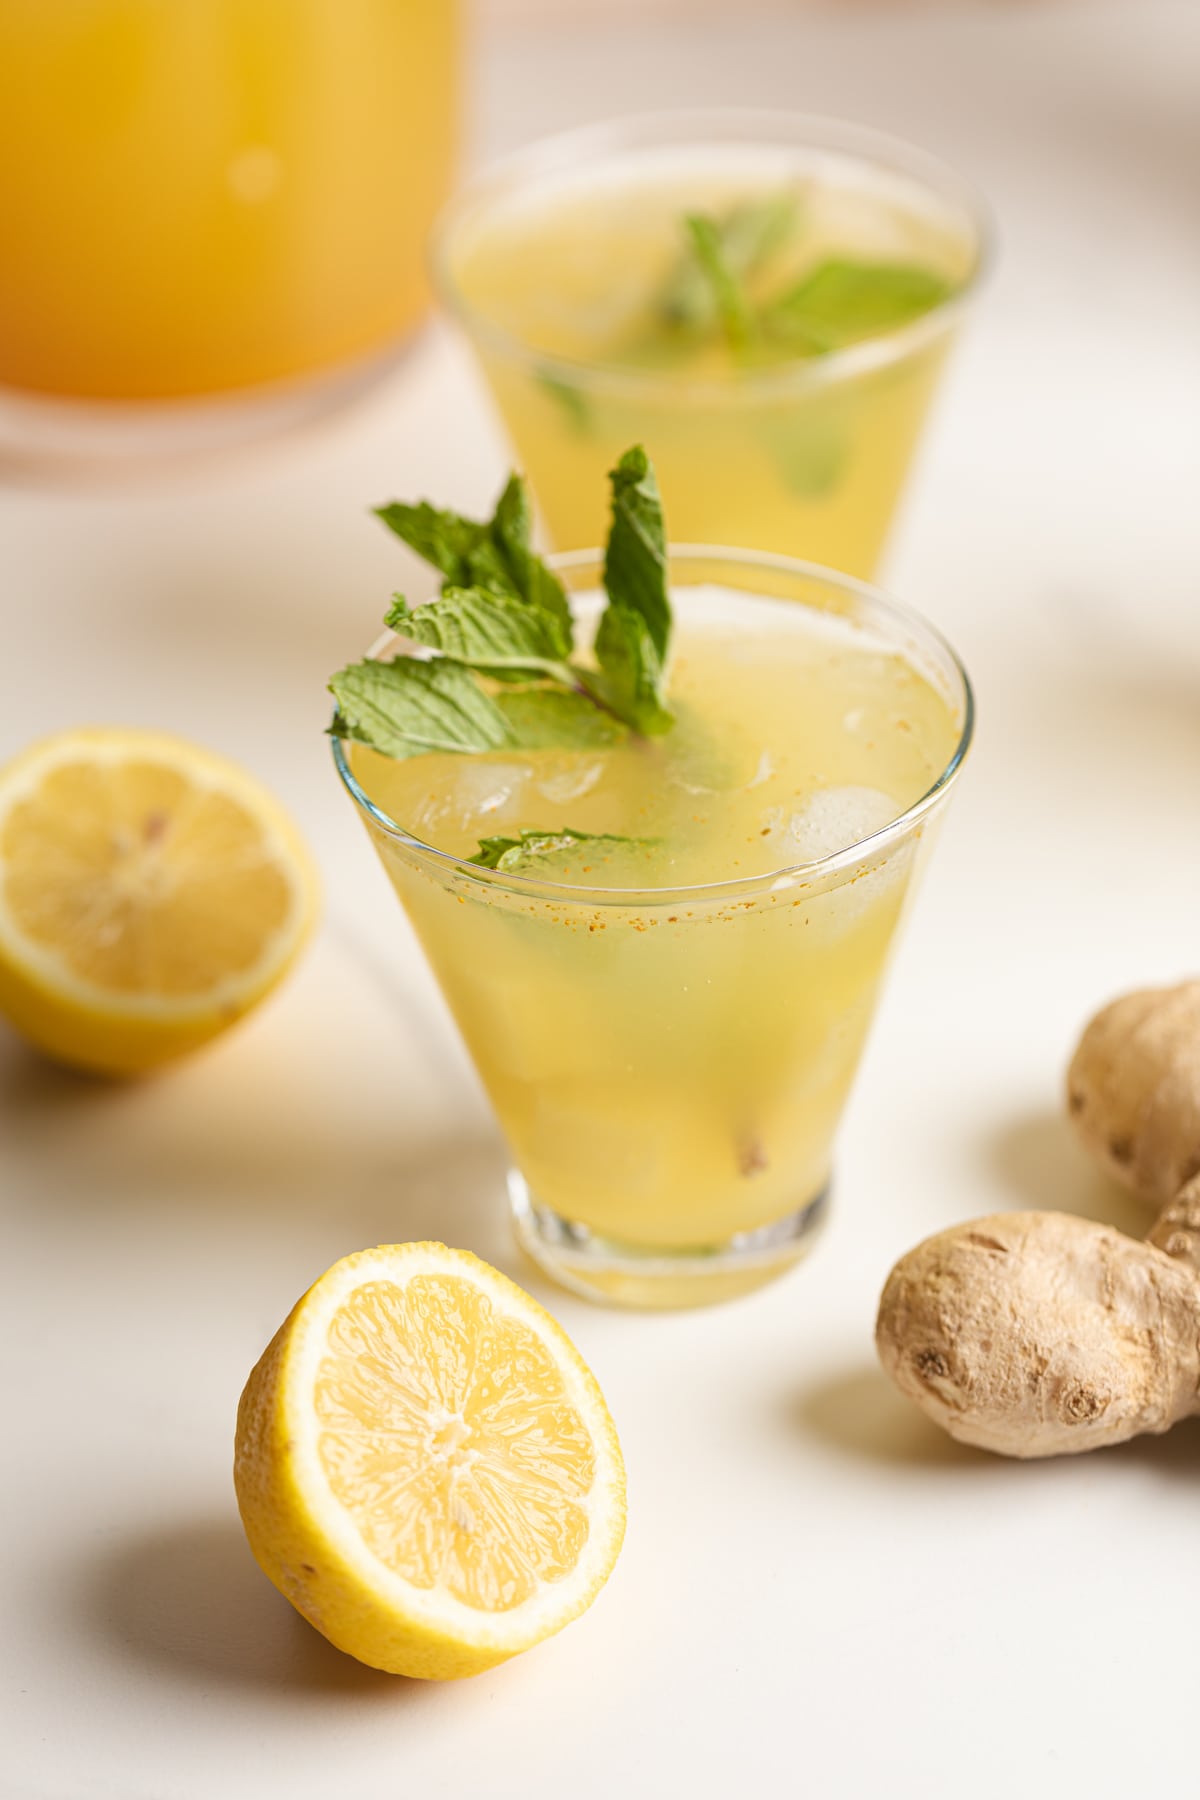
(830, 820)
(572, 784)
(481, 800)
(833, 819)
(837, 819)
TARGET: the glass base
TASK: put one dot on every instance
(44, 436)
(619, 1274)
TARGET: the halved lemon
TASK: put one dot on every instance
(425, 1465)
(150, 894)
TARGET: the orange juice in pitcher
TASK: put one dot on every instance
(206, 196)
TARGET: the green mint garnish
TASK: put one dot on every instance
(630, 679)
(503, 617)
(635, 558)
(842, 302)
(734, 310)
(546, 718)
(509, 853)
(496, 556)
(512, 531)
(730, 281)
(490, 632)
(740, 243)
(408, 707)
(634, 634)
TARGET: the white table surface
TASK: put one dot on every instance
(819, 1595)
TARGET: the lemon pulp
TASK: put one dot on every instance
(447, 1435)
(150, 894)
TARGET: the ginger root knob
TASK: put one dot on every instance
(1034, 1334)
(1133, 1089)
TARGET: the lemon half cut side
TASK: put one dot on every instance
(426, 1467)
(151, 893)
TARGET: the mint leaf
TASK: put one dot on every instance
(547, 718)
(464, 550)
(732, 303)
(841, 302)
(496, 555)
(635, 629)
(508, 853)
(747, 237)
(635, 560)
(408, 707)
(512, 533)
(493, 633)
(445, 539)
(630, 678)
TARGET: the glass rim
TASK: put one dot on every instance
(815, 870)
(764, 125)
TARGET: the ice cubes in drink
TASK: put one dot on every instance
(482, 798)
(836, 818)
(826, 822)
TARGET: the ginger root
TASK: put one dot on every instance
(1133, 1089)
(1035, 1334)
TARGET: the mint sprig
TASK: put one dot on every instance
(635, 557)
(506, 854)
(503, 617)
(730, 298)
(634, 634)
(736, 245)
(729, 282)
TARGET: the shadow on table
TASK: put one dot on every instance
(1037, 1156)
(1176, 1454)
(191, 1603)
(234, 1139)
(860, 1414)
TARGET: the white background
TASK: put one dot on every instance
(818, 1595)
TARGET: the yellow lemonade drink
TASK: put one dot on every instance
(797, 344)
(198, 195)
(667, 1027)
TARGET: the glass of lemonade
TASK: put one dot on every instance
(668, 1028)
(788, 425)
(203, 198)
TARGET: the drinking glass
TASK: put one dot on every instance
(669, 1064)
(804, 456)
